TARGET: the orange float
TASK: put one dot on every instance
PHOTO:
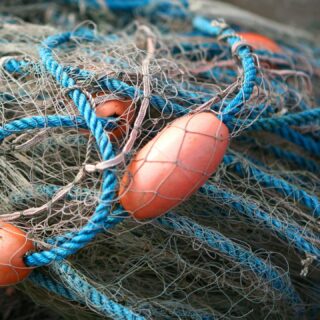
(260, 42)
(13, 247)
(173, 165)
(116, 108)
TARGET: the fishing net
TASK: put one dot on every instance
(243, 246)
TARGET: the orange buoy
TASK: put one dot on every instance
(13, 246)
(116, 108)
(260, 42)
(173, 165)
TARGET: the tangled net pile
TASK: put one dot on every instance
(244, 246)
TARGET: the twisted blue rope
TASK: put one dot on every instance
(234, 252)
(15, 66)
(70, 246)
(283, 155)
(45, 282)
(109, 4)
(186, 226)
(90, 295)
(246, 58)
(108, 83)
(76, 193)
(285, 231)
(279, 185)
(51, 121)
(77, 289)
(47, 191)
(115, 218)
(311, 116)
(161, 104)
(294, 137)
(210, 237)
(214, 240)
(268, 124)
(109, 180)
(94, 225)
(305, 163)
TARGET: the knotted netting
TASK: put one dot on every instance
(244, 245)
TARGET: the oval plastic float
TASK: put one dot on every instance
(260, 42)
(173, 165)
(13, 247)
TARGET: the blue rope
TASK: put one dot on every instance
(47, 191)
(109, 180)
(303, 141)
(109, 4)
(51, 121)
(211, 238)
(79, 194)
(283, 155)
(279, 185)
(219, 243)
(102, 219)
(299, 161)
(268, 124)
(284, 131)
(45, 282)
(15, 66)
(246, 58)
(289, 233)
(90, 295)
(233, 251)
(110, 84)
(311, 116)
(167, 107)
(76, 288)
(94, 225)
(117, 216)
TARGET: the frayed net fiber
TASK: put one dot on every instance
(242, 245)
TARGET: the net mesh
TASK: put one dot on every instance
(246, 245)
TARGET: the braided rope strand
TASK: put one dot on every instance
(94, 225)
(269, 181)
(235, 252)
(287, 232)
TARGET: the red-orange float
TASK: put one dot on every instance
(14, 244)
(173, 165)
(260, 42)
(116, 108)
